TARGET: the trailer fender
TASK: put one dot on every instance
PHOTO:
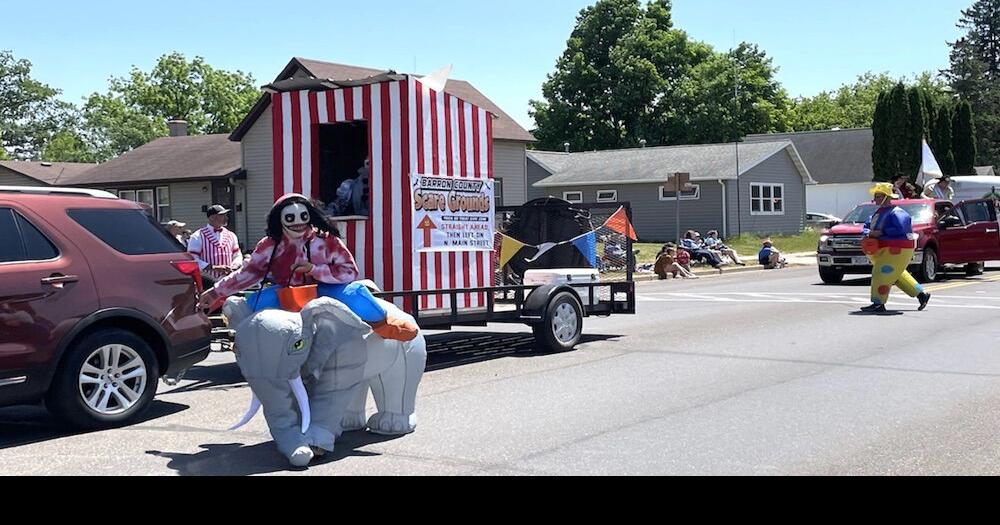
(537, 303)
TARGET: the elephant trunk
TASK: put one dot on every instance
(299, 389)
(254, 408)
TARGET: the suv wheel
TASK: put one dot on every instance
(928, 271)
(106, 379)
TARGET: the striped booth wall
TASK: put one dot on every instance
(412, 129)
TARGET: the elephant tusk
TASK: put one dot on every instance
(254, 408)
(299, 389)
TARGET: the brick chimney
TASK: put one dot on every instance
(178, 128)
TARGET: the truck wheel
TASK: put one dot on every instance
(830, 276)
(975, 269)
(105, 380)
(928, 271)
(562, 327)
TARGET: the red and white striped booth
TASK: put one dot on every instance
(412, 130)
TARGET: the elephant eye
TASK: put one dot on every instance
(299, 345)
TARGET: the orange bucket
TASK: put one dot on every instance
(294, 299)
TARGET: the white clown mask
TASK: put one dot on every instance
(295, 219)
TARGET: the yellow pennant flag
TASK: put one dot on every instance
(508, 249)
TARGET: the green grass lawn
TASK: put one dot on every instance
(746, 245)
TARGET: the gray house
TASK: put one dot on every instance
(767, 197)
(510, 140)
(839, 160)
(179, 177)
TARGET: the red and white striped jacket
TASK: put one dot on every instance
(215, 248)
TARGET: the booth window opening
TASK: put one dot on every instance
(345, 170)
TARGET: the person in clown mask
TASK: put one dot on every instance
(890, 243)
(301, 249)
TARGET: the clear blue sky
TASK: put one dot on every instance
(505, 48)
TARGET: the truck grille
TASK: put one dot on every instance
(846, 243)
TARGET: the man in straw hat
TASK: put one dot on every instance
(890, 243)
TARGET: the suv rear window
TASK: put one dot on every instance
(130, 232)
(23, 242)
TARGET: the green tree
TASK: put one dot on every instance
(29, 112)
(628, 75)
(68, 146)
(897, 121)
(964, 135)
(916, 131)
(882, 157)
(975, 75)
(136, 108)
(941, 140)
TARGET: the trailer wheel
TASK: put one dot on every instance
(562, 327)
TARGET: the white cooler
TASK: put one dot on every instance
(567, 276)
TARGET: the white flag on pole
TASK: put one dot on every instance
(929, 169)
(438, 79)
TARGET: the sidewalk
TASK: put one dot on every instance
(794, 260)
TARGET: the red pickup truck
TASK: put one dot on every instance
(963, 234)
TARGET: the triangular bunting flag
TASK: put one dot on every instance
(587, 244)
(508, 249)
(619, 222)
(542, 250)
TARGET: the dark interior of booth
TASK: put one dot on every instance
(344, 186)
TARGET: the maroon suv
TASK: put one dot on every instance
(97, 303)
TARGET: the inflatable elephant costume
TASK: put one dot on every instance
(311, 373)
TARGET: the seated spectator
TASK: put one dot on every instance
(667, 266)
(714, 243)
(904, 189)
(698, 252)
(769, 257)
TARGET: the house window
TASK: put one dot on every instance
(155, 201)
(767, 199)
(163, 204)
(692, 193)
(573, 197)
(498, 191)
(607, 196)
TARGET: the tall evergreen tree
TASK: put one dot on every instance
(897, 122)
(975, 75)
(964, 136)
(941, 140)
(882, 149)
(915, 133)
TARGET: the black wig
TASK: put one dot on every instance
(318, 220)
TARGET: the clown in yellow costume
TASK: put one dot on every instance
(890, 243)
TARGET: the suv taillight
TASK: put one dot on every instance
(191, 269)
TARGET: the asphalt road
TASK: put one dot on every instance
(762, 373)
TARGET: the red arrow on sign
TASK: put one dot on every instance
(428, 226)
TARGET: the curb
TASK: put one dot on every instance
(715, 273)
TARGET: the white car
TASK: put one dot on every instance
(822, 221)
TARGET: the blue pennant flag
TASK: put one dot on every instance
(587, 244)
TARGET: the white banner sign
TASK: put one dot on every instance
(452, 214)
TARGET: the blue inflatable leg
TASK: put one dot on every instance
(358, 298)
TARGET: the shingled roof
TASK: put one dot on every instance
(504, 128)
(166, 159)
(656, 165)
(834, 156)
(50, 173)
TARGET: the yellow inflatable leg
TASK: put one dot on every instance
(888, 270)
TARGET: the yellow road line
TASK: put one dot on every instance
(961, 284)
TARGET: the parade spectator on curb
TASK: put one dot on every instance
(698, 252)
(177, 230)
(714, 243)
(940, 189)
(903, 187)
(216, 249)
(667, 265)
(769, 256)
